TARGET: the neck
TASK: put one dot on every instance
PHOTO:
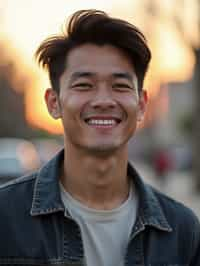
(99, 182)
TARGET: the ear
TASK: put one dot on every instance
(52, 102)
(143, 99)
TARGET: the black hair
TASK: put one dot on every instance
(94, 26)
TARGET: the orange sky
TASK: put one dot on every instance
(25, 23)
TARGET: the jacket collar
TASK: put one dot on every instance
(46, 195)
(47, 199)
(150, 211)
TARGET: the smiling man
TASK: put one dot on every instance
(88, 205)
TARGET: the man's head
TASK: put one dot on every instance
(97, 73)
(96, 27)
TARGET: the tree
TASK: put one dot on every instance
(12, 108)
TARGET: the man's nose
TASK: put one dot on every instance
(103, 98)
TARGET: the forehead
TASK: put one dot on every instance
(105, 59)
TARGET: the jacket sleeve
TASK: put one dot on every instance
(196, 244)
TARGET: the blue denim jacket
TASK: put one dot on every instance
(35, 229)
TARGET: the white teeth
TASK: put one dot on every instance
(101, 122)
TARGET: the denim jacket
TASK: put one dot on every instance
(35, 229)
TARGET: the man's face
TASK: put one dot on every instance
(98, 101)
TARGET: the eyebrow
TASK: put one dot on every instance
(87, 74)
(123, 75)
(81, 74)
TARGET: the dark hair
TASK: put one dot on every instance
(94, 26)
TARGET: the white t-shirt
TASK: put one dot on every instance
(105, 233)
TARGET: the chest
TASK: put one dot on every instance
(59, 241)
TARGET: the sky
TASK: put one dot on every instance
(25, 23)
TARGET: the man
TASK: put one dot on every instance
(88, 206)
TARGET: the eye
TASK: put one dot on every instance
(82, 86)
(122, 86)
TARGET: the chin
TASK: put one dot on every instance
(104, 148)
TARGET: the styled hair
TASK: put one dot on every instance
(96, 27)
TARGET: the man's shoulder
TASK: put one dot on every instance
(15, 189)
(177, 213)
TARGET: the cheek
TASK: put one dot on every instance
(72, 102)
(130, 104)
(72, 106)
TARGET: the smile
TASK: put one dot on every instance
(102, 122)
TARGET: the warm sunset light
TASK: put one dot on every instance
(26, 23)
(172, 60)
(36, 111)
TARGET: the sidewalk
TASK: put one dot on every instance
(179, 186)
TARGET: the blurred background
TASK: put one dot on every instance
(166, 147)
